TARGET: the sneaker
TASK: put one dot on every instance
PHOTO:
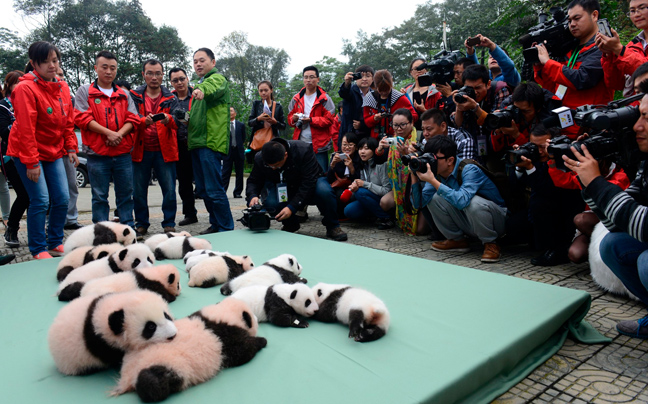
(11, 238)
(57, 251)
(42, 255)
(209, 230)
(384, 224)
(5, 259)
(491, 253)
(337, 234)
(451, 246)
(141, 231)
(169, 229)
(188, 220)
(634, 328)
(72, 226)
(291, 228)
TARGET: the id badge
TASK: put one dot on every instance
(560, 91)
(481, 146)
(282, 193)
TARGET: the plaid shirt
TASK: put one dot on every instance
(466, 146)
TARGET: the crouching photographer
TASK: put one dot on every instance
(625, 249)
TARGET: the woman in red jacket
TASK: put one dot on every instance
(40, 137)
(379, 106)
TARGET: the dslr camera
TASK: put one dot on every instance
(256, 218)
(552, 32)
(599, 147)
(418, 164)
(463, 92)
(440, 69)
(528, 150)
(503, 118)
(180, 115)
(299, 122)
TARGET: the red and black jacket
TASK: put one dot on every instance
(616, 67)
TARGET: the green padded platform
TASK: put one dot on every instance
(457, 334)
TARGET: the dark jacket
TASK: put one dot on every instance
(183, 104)
(239, 133)
(254, 125)
(340, 168)
(6, 120)
(352, 111)
(299, 173)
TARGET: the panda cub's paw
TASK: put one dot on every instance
(260, 342)
(225, 289)
(297, 323)
(303, 280)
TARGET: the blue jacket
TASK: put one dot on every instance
(509, 73)
(352, 110)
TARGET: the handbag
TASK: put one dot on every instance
(341, 182)
(263, 135)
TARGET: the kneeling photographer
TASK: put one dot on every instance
(624, 213)
(290, 177)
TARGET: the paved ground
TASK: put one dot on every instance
(578, 373)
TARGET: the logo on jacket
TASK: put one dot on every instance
(49, 111)
(97, 101)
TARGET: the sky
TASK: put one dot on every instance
(306, 30)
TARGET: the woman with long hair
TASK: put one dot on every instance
(265, 113)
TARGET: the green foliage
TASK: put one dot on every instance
(11, 56)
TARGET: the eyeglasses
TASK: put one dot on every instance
(310, 77)
(348, 145)
(399, 125)
(637, 10)
(178, 80)
(156, 74)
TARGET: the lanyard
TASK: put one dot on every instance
(574, 56)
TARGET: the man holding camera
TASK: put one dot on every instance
(624, 213)
(433, 123)
(156, 147)
(352, 94)
(445, 103)
(577, 79)
(500, 64)
(288, 172)
(464, 202)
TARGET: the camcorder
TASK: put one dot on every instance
(503, 118)
(418, 162)
(552, 32)
(611, 134)
(463, 92)
(528, 150)
(440, 69)
(256, 218)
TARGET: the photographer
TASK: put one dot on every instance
(445, 103)
(352, 94)
(550, 215)
(464, 202)
(620, 61)
(421, 97)
(289, 173)
(433, 122)
(577, 79)
(378, 105)
(344, 168)
(624, 250)
(500, 64)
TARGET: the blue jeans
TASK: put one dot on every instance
(209, 186)
(100, 171)
(323, 197)
(51, 186)
(627, 257)
(366, 203)
(322, 159)
(166, 176)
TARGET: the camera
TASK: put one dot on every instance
(441, 68)
(419, 164)
(180, 115)
(394, 140)
(503, 118)
(256, 218)
(553, 33)
(464, 92)
(599, 147)
(406, 159)
(299, 122)
(528, 150)
(357, 76)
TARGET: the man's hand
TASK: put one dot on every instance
(348, 78)
(113, 137)
(586, 167)
(74, 159)
(356, 124)
(33, 173)
(543, 53)
(444, 89)
(253, 201)
(487, 43)
(469, 49)
(428, 176)
(469, 105)
(198, 94)
(512, 131)
(609, 45)
(284, 214)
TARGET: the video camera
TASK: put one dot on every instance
(599, 146)
(503, 118)
(441, 68)
(553, 33)
(256, 218)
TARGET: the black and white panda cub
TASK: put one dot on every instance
(83, 255)
(279, 304)
(281, 269)
(366, 315)
(100, 233)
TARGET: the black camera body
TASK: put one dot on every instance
(528, 150)
(357, 76)
(553, 33)
(503, 118)
(419, 164)
(256, 218)
(406, 159)
(599, 147)
(463, 92)
(180, 115)
(440, 69)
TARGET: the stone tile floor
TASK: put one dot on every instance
(578, 373)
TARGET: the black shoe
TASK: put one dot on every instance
(5, 259)
(550, 258)
(302, 215)
(291, 228)
(188, 220)
(72, 226)
(337, 234)
(384, 224)
(209, 230)
(11, 238)
(238, 196)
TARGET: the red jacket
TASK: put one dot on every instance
(166, 133)
(321, 117)
(569, 180)
(584, 81)
(44, 125)
(370, 108)
(110, 112)
(616, 67)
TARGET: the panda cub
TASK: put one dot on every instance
(153, 241)
(216, 337)
(281, 269)
(366, 315)
(279, 304)
(134, 256)
(178, 247)
(163, 280)
(83, 255)
(195, 253)
(192, 259)
(93, 333)
(215, 270)
(100, 233)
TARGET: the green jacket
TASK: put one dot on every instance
(209, 118)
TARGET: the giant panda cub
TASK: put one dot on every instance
(216, 337)
(178, 247)
(279, 304)
(83, 255)
(134, 256)
(155, 240)
(281, 269)
(100, 233)
(201, 251)
(215, 270)
(163, 280)
(366, 315)
(192, 258)
(93, 333)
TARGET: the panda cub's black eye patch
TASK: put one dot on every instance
(308, 302)
(149, 259)
(136, 262)
(171, 278)
(319, 292)
(149, 330)
(168, 317)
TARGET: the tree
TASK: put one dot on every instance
(12, 57)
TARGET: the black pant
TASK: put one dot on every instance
(21, 203)
(184, 171)
(235, 159)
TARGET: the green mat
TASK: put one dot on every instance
(457, 334)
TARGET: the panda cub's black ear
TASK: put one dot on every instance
(122, 254)
(248, 319)
(171, 278)
(116, 322)
(126, 232)
(291, 262)
(293, 294)
(319, 292)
